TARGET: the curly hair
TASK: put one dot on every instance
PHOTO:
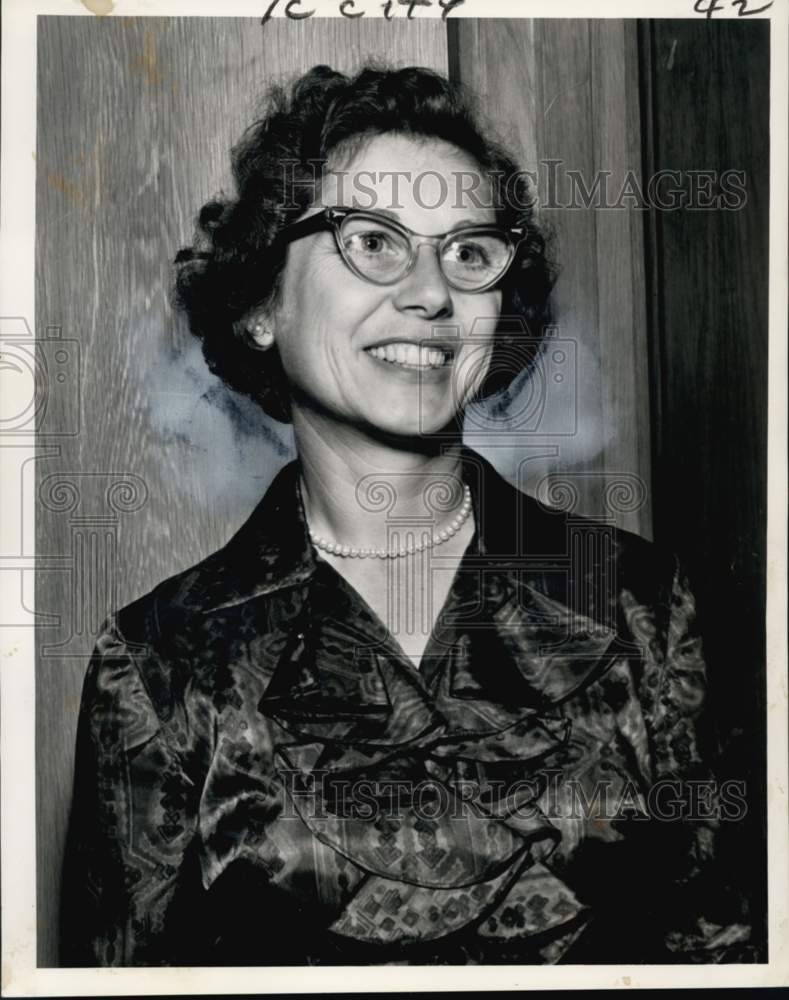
(236, 262)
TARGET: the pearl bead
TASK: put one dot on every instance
(427, 541)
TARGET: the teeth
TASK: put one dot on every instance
(411, 354)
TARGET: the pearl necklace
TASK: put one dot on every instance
(335, 549)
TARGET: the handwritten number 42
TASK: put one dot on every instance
(709, 7)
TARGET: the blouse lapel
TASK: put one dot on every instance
(502, 660)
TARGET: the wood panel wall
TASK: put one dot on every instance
(565, 94)
(709, 326)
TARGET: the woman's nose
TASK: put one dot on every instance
(424, 289)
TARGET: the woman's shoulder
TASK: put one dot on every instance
(265, 553)
(152, 650)
(183, 629)
(140, 622)
(554, 541)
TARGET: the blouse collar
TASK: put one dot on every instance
(272, 550)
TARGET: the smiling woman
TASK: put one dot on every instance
(378, 143)
(406, 714)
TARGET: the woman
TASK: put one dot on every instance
(396, 718)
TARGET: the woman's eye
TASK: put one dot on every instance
(370, 243)
(470, 254)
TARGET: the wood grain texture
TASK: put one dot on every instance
(709, 82)
(135, 120)
(567, 91)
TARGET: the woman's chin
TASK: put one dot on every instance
(416, 425)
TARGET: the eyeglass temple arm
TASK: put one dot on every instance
(305, 227)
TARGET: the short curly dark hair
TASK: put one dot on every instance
(236, 263)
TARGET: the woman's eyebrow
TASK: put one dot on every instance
(465, 221)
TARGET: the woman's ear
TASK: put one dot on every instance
(259, 331)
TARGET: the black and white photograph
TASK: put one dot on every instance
(394, 466)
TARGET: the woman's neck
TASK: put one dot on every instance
(354, 484)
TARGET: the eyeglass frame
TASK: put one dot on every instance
(332, 217)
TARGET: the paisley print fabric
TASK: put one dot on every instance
(264, 778)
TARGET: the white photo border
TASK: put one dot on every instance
(20, 976)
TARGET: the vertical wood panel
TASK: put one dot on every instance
(135, 120)
(619, 232)
(567, 90)
(708, 86)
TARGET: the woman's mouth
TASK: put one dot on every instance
(406, 355)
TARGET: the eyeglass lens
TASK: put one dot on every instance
(381, 253)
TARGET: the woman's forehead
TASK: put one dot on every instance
(428, 181)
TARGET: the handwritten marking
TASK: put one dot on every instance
(447, 6)
(708, 7)
(289, 11)
(411, 4)
(709, 10)
(670, 60)
(348, 8)
(744, 12)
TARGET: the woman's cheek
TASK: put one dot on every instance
(473, 363)
(477, 373)
(471, 374)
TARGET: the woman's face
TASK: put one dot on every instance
(344, 341)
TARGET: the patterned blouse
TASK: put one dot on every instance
(264, 778)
